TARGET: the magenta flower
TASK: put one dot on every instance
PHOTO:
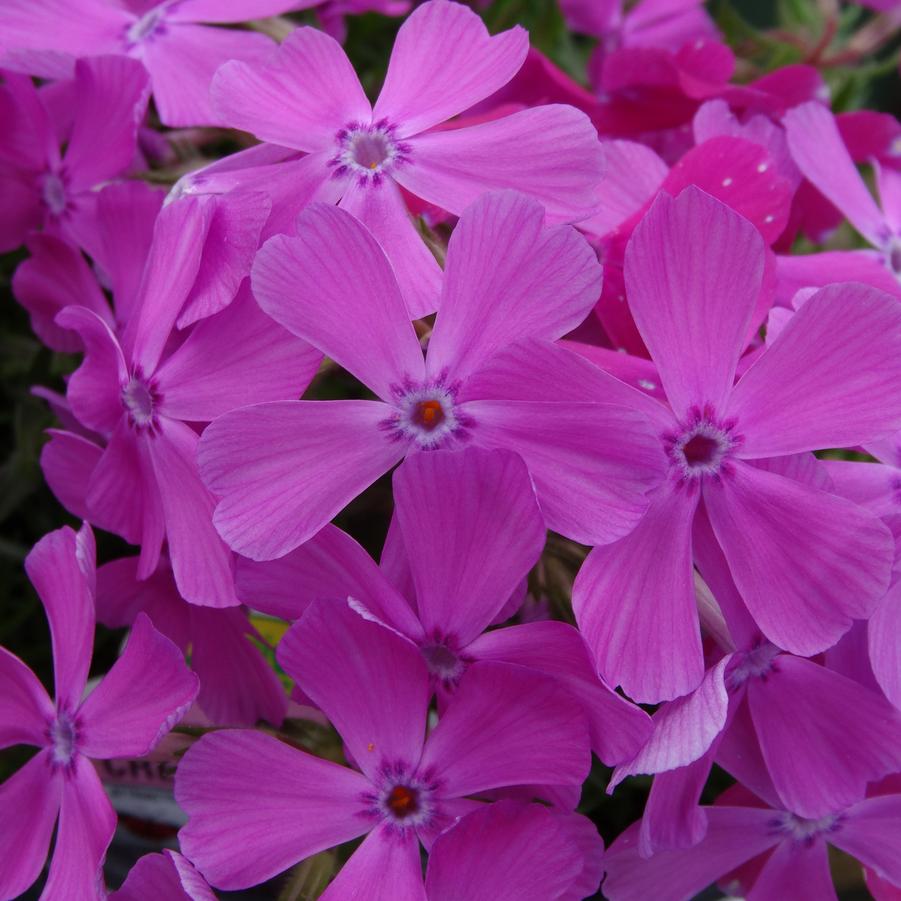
(806, 562)
(306, 96)
(167, 875)
(43, 187)
(142, 697)
(819, 735)
(459, 563)
(284, 470)
(145, 484)
(817, 147)
(793, 853)
(180, 55)
(238, 687)
(374, 687)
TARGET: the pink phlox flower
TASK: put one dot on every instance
(448, 570)
(140, 699)
(819, 735)
(374, 686)
(282, 471)
(306, 96)
(693, 268)
(758, 849)
(46, 188)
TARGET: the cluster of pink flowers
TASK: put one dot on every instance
(625, 350)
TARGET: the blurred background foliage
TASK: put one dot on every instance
(860, 64)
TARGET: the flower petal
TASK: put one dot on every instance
(795, 870)
(549, 153)
(284, 469)
(870, 833)
(126, 214)
(300, 97)
(172, 265)
(25, 709)
(370, 682)
(55, 276)
(385, 867)
(241, 830)
(486, 737)
(592, 464)
(67, 461)
(684, 729)
(62, 569)
(331, 566)
(472, 530)
(237, 357)
(112, 94)
(883, 630)
(823, 736)
(183, 61)
(236, 222)
(167, 875)
(333, 286)
(634, 602)
(33, 792)
(693, 274)
(443, 62)
(805, 562)
(87, 822)
(237, 684)
(617, 728)
(490, 853)
(817, 147)
(509, 277)
(123, 496)
(201, 562)
(94, 389)
(634, 174)
(735, 835)
(145, 693)
(832, 378)
(383, 211)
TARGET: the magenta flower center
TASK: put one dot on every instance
(443, 662)
(63, 738)
(402, 801)
(53, 193)
(403, 798)
(755, 664)
(138, 398)
(368, 152)
(428, 414)
(807, 831)
(701, 447)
